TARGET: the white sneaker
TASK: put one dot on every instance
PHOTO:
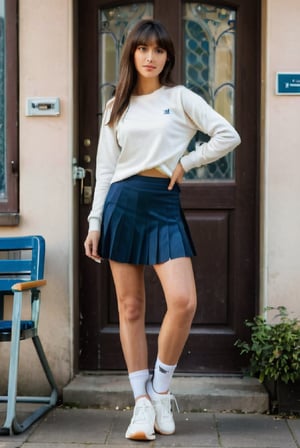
(142, 423)
(162, 403)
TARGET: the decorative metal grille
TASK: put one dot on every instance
(3, 192)
(114, 26)
(209, 68)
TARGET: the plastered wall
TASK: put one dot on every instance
(46, 186)
(280, 261)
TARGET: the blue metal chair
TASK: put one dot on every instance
(22, 271)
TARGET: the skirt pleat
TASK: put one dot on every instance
(143, 222)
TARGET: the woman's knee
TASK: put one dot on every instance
(184, 305)
(131, 308)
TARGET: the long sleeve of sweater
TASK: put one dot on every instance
(154, 132)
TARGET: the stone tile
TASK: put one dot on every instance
(16, 440)
(63, 445)
(88, 426)
(253, 430)
(294, 425)
(192, 430)
(11, 444)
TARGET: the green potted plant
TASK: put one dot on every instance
(274, 357)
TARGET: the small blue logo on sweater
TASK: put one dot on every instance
(167, 111)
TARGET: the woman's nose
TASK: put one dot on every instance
(149, 56)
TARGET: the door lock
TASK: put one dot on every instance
(87, 187)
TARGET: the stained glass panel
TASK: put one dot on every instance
(3, 187)
(114, 25)
(209, 70)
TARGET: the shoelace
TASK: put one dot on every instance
(173, 398)
(169, 399)
(139, 414)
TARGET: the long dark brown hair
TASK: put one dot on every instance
(143, 32)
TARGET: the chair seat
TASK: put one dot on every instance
(5, 325)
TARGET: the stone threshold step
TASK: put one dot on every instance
(193, 394)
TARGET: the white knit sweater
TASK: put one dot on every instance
(154, 132)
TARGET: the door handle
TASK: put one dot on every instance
(78, 172)
(86, 177)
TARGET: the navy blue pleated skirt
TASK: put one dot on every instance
(143, 222)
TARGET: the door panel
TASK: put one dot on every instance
(210, 232)
(220, 204)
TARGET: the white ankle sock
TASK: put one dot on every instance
(151, 392)
(163, 374)
(138, 382)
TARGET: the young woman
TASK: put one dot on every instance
(136, 217)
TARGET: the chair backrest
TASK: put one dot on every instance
(21, 259)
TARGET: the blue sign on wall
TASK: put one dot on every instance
(288, 83)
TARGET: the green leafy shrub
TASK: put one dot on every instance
(274, 349)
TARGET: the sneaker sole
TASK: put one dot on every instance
(164, 433)
(140, 436)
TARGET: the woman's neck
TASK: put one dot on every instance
(146, 87)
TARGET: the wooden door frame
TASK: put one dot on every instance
(248, 125)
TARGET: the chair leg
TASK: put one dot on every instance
(50, 401)
(7, 427)
(11, 424)
(41, 354)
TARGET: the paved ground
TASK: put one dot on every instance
(94, 428)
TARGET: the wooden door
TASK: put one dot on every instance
(220, 203)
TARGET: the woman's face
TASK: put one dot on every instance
(149, 60)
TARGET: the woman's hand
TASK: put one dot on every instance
(91, 245)
(177, 176)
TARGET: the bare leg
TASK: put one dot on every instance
(130, 290)
(177, 280)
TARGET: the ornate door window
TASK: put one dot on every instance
(8, 113)
(2, 101)
(114, 25)
(209, 70)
